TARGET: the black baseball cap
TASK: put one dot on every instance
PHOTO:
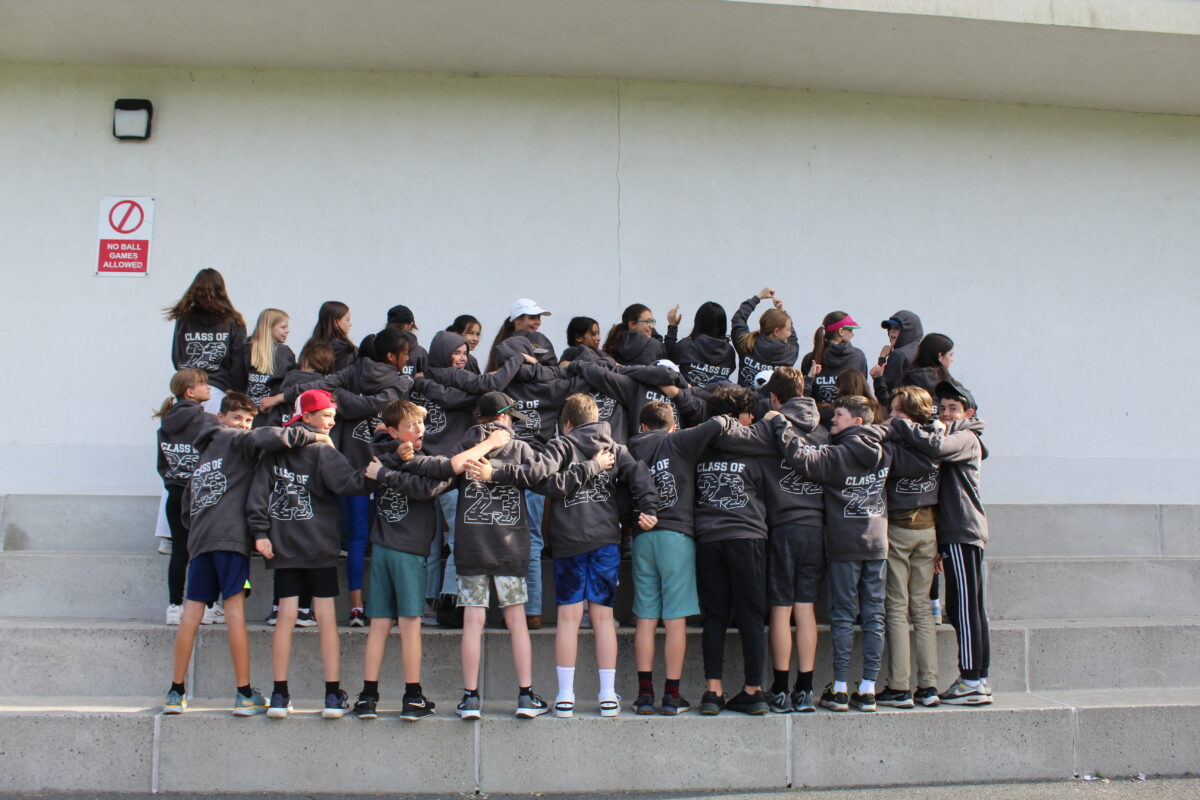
(890, 322)
(952, 391)
(400, 315)
(493, 404)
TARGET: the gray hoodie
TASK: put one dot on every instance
(260, 385)
(637, 348)
(701, 358)
(671, 458)
(405, 513)
(729, 497)
(767, 353)
(178, 430)
(839, 356)
(914, 476)
(217, 346)
(961, 517)
(903, 353)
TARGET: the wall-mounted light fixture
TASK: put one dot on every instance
(131, 119)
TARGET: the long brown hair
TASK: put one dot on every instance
(771, 320)
(206, 295)
(822, 336)
(850, 382)
(326, 329)
(507, 329)
(180, 382)
(612, 342)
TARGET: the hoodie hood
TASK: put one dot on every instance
(515, 345)
(543, 349)
(375, 376)
(975, 425)
(443, 346)
(180, 416)
(713, 350)
(911, 330)
(592, 438)
(802, 413)
(863, 442)
(838, 356)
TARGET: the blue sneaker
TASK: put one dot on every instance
(249, 706)
(336, 705)
(175, 703)
(281, 706)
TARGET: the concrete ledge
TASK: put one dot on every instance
(1028, 531)
(117, 523)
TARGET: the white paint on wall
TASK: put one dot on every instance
(1057, 247)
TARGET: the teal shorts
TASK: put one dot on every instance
(395, 584)
(664, 575)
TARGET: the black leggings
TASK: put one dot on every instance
(730, 575)
(965, 605)
(177, 568)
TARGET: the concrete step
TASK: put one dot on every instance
(124, 745)
(133, 658)
(125, 524)
(133, 586)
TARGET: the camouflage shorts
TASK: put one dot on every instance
(474, 590)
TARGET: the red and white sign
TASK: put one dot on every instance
(126, 227)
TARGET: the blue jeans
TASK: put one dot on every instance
(437, 582)
(534, 504)
(356, 509)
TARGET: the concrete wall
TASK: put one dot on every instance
(1057, 247)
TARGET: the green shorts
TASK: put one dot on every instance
(395, 585)
(664, 575)
(475, 590)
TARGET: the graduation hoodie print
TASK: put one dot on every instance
(178, 431)
(217, 346)
(671, 459)
(701, 358)
(839, 356)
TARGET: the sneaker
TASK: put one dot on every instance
(176, 703)
(985, 686)
(610, 706)
(863, 702)
(336, 705)
(364, 707)
(644, 704)
(927, 696)
(712, 704)
(213, 615)
(305, 618)
(249, 706)
(174, 615)
(164, 546)
(564, 709)
(470, 707)
(273, 616)
(357, 620)
(753, 704)
(779, 702)
(803, 701)
(674, 705)
(959, 694)
(416, 708)
(281, 706)
(530, 706)
(834, 701)
(895, 698)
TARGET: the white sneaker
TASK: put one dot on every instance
(610, 706)
(174, 615)
(164, 546)
(213, 616)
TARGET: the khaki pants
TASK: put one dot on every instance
(911, 555)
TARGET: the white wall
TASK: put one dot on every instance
(1057, 247)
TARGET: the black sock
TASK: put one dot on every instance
(524, 690)
(671, 688)
(332, 687)
(371, 689)
(412, 690)
(280, 688)
(804, 681)
(780, 684)
(471, 692)
(645, 683)
(177, 687)
(245, 691)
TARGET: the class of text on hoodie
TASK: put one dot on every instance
(701, 358)
(587, 510)
(215, 499)
(839, 356)
(491, 529)
(914, 476)
(217, 346)
(611, 411)
(729, 496)
(790, 499)
(903, 353)
(260, 385)
(178, 431)
(960, 515)
(853, 470)
(405, 513)
(293, 502)
(767, 353)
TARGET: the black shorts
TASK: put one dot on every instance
(314, 582)
(795, 564)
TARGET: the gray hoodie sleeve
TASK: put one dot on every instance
(252, 444)
(636, 475)
(738, 326)
(951, 447)
(258, 501)
(412, 485)
(561, 484)
(337, 474)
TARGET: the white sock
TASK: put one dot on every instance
(866, 687)
(566, 684)
(608, 679)
(839, 686)
(972, 684)
(300, 610)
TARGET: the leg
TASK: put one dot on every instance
(472, 640)
(712, 576)
(177, 566)
(185, 640)
(331, 654)
(920, 577)
(781, 637)
(281, 641)
(843, 605)
(522, 647)
(410, 647)
(872, 578)
(676, 647)
(605, 633)
(897, 605)
(239, 639)
(356, 550)
(566, 637)
(447, 504)
(806, 636)
(748, 562)
(376, 647)
(985, 635)
(534, 505)
(643, 641)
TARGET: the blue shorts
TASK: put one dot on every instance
(217, 575)
(590, 576)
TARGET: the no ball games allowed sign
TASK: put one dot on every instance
(126, 227)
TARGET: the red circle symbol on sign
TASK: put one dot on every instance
(126, 216)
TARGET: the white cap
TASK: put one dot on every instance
(760, 380)
(523, 306)
(668, 363)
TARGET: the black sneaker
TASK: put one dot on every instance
(364, 707)
(470, 706)
(779, 702)
(530, 706)
(802, 701)
(753, 704)
(336, 705)
(357, 618)
(895, 698)
(673, 705)
(863, 702)
(712, 704)
(834, 701)
(927, 696)
(644, 704)
(417, 708)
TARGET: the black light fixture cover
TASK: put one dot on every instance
(133, 105)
